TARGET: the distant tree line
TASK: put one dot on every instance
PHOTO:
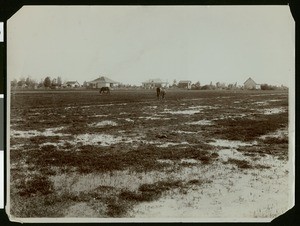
(52, 83)
(270, 87)
(233, 86)
(47, 82)
(218, 86)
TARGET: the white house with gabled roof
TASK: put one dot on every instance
(102, 82)
(71, 84)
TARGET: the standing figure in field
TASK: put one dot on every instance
(104, 90)
(158, 92)
(162, 93)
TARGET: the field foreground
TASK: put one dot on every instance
(196, 154)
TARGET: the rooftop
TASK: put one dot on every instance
(71, 82)
(103, 79)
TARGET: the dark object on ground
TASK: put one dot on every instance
(104, 90)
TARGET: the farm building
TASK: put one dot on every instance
(251, 84)
(71, 84)
(185, 84)
(102, 82)
(152, 83)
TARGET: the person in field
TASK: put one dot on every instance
(162, 93)
(158, 92)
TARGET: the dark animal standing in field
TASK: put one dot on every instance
(158, 92)
(104, 90)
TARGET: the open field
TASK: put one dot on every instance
(196, 154)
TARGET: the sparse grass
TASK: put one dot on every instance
(275, 149)
(36, 197)
(276, 140)
(242, 164)
(139, 196)
(148, 193)
(37, 185)
(245, 129)
(37, 206)
(93, 159)
(259, 166)
(43, 139)
(194, 181)
(114, 209)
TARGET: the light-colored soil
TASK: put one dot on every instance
(81, 209)
(233, 194)
(215, 143)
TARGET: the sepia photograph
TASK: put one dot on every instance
(150, 113)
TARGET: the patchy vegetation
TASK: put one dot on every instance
(85, 135)
(246, 129)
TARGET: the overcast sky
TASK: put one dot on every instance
(131, 44)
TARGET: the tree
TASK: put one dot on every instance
(21, 82)
(28, 81)
(196, 86)
(53, 83)
(84, 84)
(212, 86)
(41, 83)
(264, 87)
(47, 82)
(268, 87)
(59, 81)
(14, 83)
(230, 86)
(206, 87)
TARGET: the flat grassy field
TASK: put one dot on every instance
(196, 154)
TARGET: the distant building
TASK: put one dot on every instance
(251, 84)
(102, 82)
(185, 84)
(71, 84)
(152, 83)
